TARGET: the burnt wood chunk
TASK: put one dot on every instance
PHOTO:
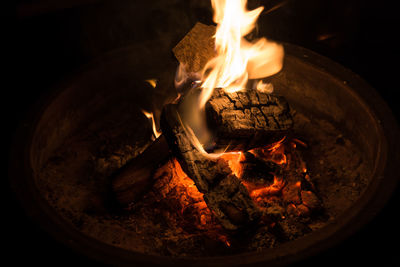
(134, 179)
(223, 192)
(249, 119)
(310, 200)
(196, 48)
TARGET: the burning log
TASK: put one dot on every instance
(223, 192)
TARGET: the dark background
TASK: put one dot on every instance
(55, 38)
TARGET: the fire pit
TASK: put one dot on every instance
(341, 120)
(339, 148)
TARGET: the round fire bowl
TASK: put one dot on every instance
(312, 84)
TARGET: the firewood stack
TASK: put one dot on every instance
(239, 121)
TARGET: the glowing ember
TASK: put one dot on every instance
(269, 190)
(185, 200)
(186, 194)
(189, 185)
(188, 203)
(275, 152)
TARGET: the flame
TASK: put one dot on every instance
(150, 116)
(152, 82)
(234, 160)
(196, 142)
(237, 59)
(181, 76)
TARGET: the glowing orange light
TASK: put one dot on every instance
(237, 59)
(275, 146)
(299, 142)
(269, 190)
(150, 116)
(152, 82)
(234, 161)
(188, 183)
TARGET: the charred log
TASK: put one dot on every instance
(134, 179)
(223, 192)
(246, 120)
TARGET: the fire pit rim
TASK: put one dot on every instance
(386, 180)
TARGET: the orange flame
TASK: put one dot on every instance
(152, 82)
(149, 115)
(237, 59)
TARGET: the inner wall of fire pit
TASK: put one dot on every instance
(94, 125)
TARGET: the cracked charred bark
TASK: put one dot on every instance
(249, 119)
